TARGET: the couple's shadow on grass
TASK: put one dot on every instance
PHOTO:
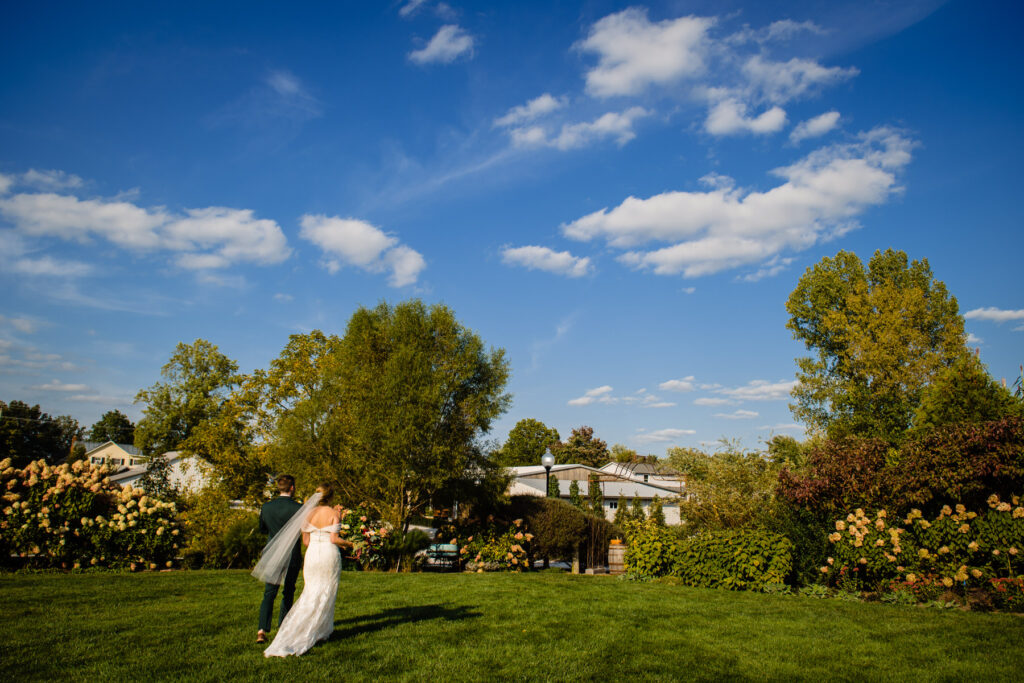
(369, 623)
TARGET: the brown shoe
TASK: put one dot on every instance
(261, 637)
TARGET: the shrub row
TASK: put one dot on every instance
(961, 462)
(746, 559)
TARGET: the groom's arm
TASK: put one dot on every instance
(264, 529)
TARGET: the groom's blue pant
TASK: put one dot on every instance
(287, 597)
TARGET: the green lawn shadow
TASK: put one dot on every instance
(397, 616)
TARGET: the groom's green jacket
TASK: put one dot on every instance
(275, 514)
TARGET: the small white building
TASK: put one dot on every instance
(110, 453)
(186, 473)
(616, 483)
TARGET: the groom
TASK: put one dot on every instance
(274, 515)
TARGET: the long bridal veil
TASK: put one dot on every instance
(273, 563)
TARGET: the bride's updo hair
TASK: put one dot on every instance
(327, 493)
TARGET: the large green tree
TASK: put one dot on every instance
(393, 412)
(197, 381)
(27, 434)
(582, 448)
(878, 335)
(113, 426)
(526, 443)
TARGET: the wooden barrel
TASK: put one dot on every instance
(616, 555)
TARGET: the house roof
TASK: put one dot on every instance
(613, 483)
(137, 470)
(91, 446)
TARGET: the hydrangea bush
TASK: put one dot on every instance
(959, 548)
(492, 546)
(71, 516)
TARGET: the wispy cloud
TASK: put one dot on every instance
(684, 384)
(56, 385)
(663, 435)
(591, 396)
(738, 415)
(815, 127)
(448, 44)
(760, 390)
(549, 260)
(995, 315)
(535, 108)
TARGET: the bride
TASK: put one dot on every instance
(311, 618)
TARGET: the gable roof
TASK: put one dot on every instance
(91, 446)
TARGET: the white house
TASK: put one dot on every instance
(110, 453)
(186, 474)
(615, 483)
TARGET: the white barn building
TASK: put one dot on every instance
(617, 481)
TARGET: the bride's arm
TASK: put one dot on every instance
(305, 538)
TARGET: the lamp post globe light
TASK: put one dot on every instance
(547, 460)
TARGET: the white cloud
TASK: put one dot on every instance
(660, 404)
(55, 385)
(760, 390)
(615, 125)
(203, 238)
(783, 426)
(543, 258)
(771, 268)
(781, 30)
(285, 298)
(22, 324)
(611, 125)
(663, 435)
(535, 108)
(688, 290)
(684, 384)
(710, 401)
(738, 415)
(50, 180)
(591, 396)
(780, 82)
(352, 242)
(67, 217)
(410, 8)
(729, 117)
(634, 53)
(102, 399)
(284, 82)
(816, 127)
(47, 266)
(233, 235)
(6, 182)
(448, 43)
(727, 228)
(993, 314)
(971, 339)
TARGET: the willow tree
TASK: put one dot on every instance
(879, 335)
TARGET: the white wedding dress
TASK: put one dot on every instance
(311, 618)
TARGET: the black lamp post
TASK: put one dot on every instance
(547, 460)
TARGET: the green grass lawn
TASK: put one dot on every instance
(201, 626)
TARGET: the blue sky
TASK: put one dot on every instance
(621, 196)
